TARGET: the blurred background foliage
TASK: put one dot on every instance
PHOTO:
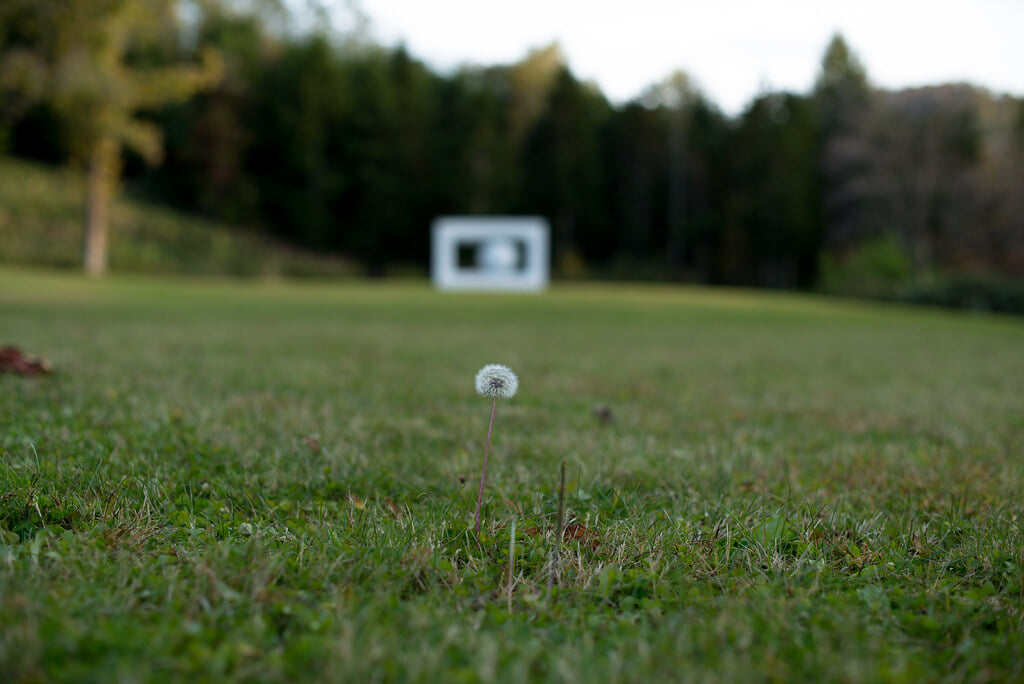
(317, 138)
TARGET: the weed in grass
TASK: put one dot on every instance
(554, 572)
(494, 380)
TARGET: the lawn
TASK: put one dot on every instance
(277, 482)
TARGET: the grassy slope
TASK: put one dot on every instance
(41, 224)
(792, 488)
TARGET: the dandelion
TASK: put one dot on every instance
(493, 380)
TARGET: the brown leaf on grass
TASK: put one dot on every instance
(313, 443)
(577, 532)
(13, 360)
(572, 532)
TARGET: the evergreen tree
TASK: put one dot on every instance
(566, 178)
(845, 101)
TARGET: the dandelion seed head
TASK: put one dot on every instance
(496, 380)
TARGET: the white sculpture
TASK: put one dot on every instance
(490, 253)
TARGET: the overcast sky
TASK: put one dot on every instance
(734, 49)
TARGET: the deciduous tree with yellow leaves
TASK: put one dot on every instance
(98, 63)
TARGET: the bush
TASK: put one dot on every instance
(876, 268)
(882, 269)
(975, 292)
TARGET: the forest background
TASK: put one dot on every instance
(330, 142)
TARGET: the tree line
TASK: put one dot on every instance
(334, 143)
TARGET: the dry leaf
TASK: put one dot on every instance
(13, 360)
(572, 532)
(576, 531)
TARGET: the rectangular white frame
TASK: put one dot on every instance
(448, 233)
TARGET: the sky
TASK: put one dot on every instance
(732, 49)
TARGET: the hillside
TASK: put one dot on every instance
(40, 225)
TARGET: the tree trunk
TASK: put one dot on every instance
(100, 182)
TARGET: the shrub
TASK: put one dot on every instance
(876, 268)
(968, 291)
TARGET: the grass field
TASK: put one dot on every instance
(275, 482)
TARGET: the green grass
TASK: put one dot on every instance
(275, 482)
(41, 210)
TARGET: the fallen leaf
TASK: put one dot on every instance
(576, 531)
(572, 532)
(13, 360)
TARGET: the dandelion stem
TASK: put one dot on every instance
(483, 472)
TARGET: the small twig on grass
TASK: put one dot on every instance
(555, 551)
